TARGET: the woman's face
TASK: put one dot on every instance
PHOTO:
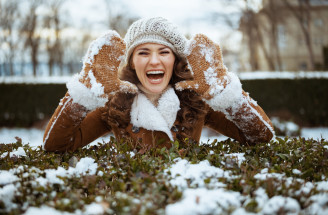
(154, 66)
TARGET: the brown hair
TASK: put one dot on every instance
(191, 105)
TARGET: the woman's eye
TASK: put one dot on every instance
(143, 53)
(165, 52)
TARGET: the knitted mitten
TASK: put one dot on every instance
(99, 76)
(222, 91)
(205, 59)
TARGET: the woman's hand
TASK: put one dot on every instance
(99, 76)
(205, 60)
(101, 65)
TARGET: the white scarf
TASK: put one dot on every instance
(161, 118)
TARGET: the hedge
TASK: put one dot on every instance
(24, 104)
(304, 101)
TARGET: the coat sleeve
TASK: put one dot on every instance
(73, 126)
(235, 114)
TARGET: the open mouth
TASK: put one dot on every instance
(155, 76)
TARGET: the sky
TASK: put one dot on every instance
(191, 16)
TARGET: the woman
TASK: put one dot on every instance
(168, 89)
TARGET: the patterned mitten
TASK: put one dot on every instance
(99, 76)
(222, 91)
(205, 60)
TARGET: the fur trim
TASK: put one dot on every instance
(89, 98)
(161, 118)
(231, 96)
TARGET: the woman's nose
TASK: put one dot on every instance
(154, 59)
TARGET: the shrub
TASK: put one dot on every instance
(127, 182)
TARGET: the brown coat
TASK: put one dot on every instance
(72, 127)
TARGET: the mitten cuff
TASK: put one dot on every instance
(90, 98)
(229, 97)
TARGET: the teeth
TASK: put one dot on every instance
(155, 72)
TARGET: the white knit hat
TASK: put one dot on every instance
(154, 30)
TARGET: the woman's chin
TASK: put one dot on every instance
(156, 88)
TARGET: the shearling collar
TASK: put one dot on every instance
(161, 118)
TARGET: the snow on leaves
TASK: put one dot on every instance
(224, 177)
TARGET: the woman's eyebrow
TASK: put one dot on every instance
(142, 49)
(147, 49)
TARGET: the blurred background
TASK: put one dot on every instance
(50, 37)
(278, 48)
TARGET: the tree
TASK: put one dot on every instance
(29, 32)
(253, 30)
(9, 13)
(301, 12)
(275, 16)
(53, 23)
(75, 51)
(117, 17)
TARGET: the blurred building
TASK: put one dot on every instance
(285, 35)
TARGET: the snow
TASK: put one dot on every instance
(230, 96)
(31, 136)
(86, 166)
(7, 194)
(199, 198)
(18, 153)
(211, 79)
(319, 204)
(306, 188)
(315, 133)
(97, 44)
(83, 167)
(296, 172)
(96, 88)
(93, 209)
(289, 127)
(281, 75)
(280, 204)
(183, 170)
(204, 201)
(45, 210)
(264, 175)
(34, 80)
(7, 177)
(261, 197)
(322, 186)
(34, 137)
(208, 52)
(89, 98)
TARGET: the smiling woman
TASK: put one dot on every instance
(152, 88)
(153, 64)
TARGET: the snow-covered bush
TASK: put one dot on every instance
(285, 176)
